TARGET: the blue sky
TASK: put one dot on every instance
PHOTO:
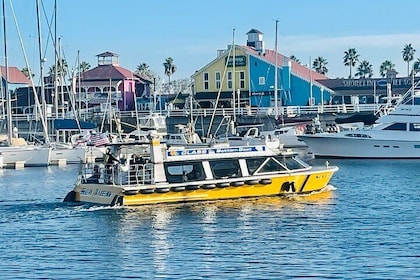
(191, 31)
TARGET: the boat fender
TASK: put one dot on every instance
(208, 186)
(288, 187)
(131, 192)
(223, 185)
(251, 182)
(178, 189)
(265, 181)
(147, 191)
(162, 190)
(192, 187)
(237, 184)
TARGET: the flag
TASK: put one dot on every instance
(99, 139)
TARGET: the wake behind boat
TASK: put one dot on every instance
(395, 135)
(132, 177)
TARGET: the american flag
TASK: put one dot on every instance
(99, 139)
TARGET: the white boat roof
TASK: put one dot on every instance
(217, 152)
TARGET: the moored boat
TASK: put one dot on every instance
(198, 174)
(394, 135)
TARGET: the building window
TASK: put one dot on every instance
(242, 79)
(218, 79)
(229, 80)
(206, 80)
(261, 81)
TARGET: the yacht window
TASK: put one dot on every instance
(357, 135)
(414, 126)
(182, 172)
(225, 168)
(396, 126)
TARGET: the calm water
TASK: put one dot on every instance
(367, 228)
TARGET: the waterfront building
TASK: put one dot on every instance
(250, 81)
(110, 84)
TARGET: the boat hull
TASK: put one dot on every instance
(31, 156)
(341, 147)
(298, 183)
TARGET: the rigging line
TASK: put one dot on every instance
(219, 92)
(49, 24)
(37, 103)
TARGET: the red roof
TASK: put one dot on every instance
(106, 72)
(15, 75)
(297, 69)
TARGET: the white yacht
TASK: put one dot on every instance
(394, 135)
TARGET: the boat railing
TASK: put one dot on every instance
(117, 174)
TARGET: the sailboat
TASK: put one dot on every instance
(16, 150)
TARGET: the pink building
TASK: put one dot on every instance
(110, 83)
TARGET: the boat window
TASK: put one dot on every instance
(225, 168)
(271, 165)
(357, 135)
(396, 126)
(414, 126)
(254, 163)
(182, 172)
(291, 162)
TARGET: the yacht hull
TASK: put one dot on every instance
(342, 147)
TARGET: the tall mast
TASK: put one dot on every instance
(233, 76)
(6, 86)
(276, 109)
(41, 64)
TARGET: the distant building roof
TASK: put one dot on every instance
(296, 68)
(108, 71)
(107, 54)
(253, 30)
(15, 75)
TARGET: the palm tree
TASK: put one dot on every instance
(170, 67)
(386, 66)
(84, 66)
(25, 72)
(408, 55)
(364, 70)
(144, 70)
(350, 58)
(295, 59)
(319, 65)
(416, 66)
(62, 68)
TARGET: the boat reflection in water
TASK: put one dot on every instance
(137, 174)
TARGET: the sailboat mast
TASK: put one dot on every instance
(276, 109)
(41, 64)
(6, 86)
(233, 76)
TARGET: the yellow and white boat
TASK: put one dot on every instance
(177, 175)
